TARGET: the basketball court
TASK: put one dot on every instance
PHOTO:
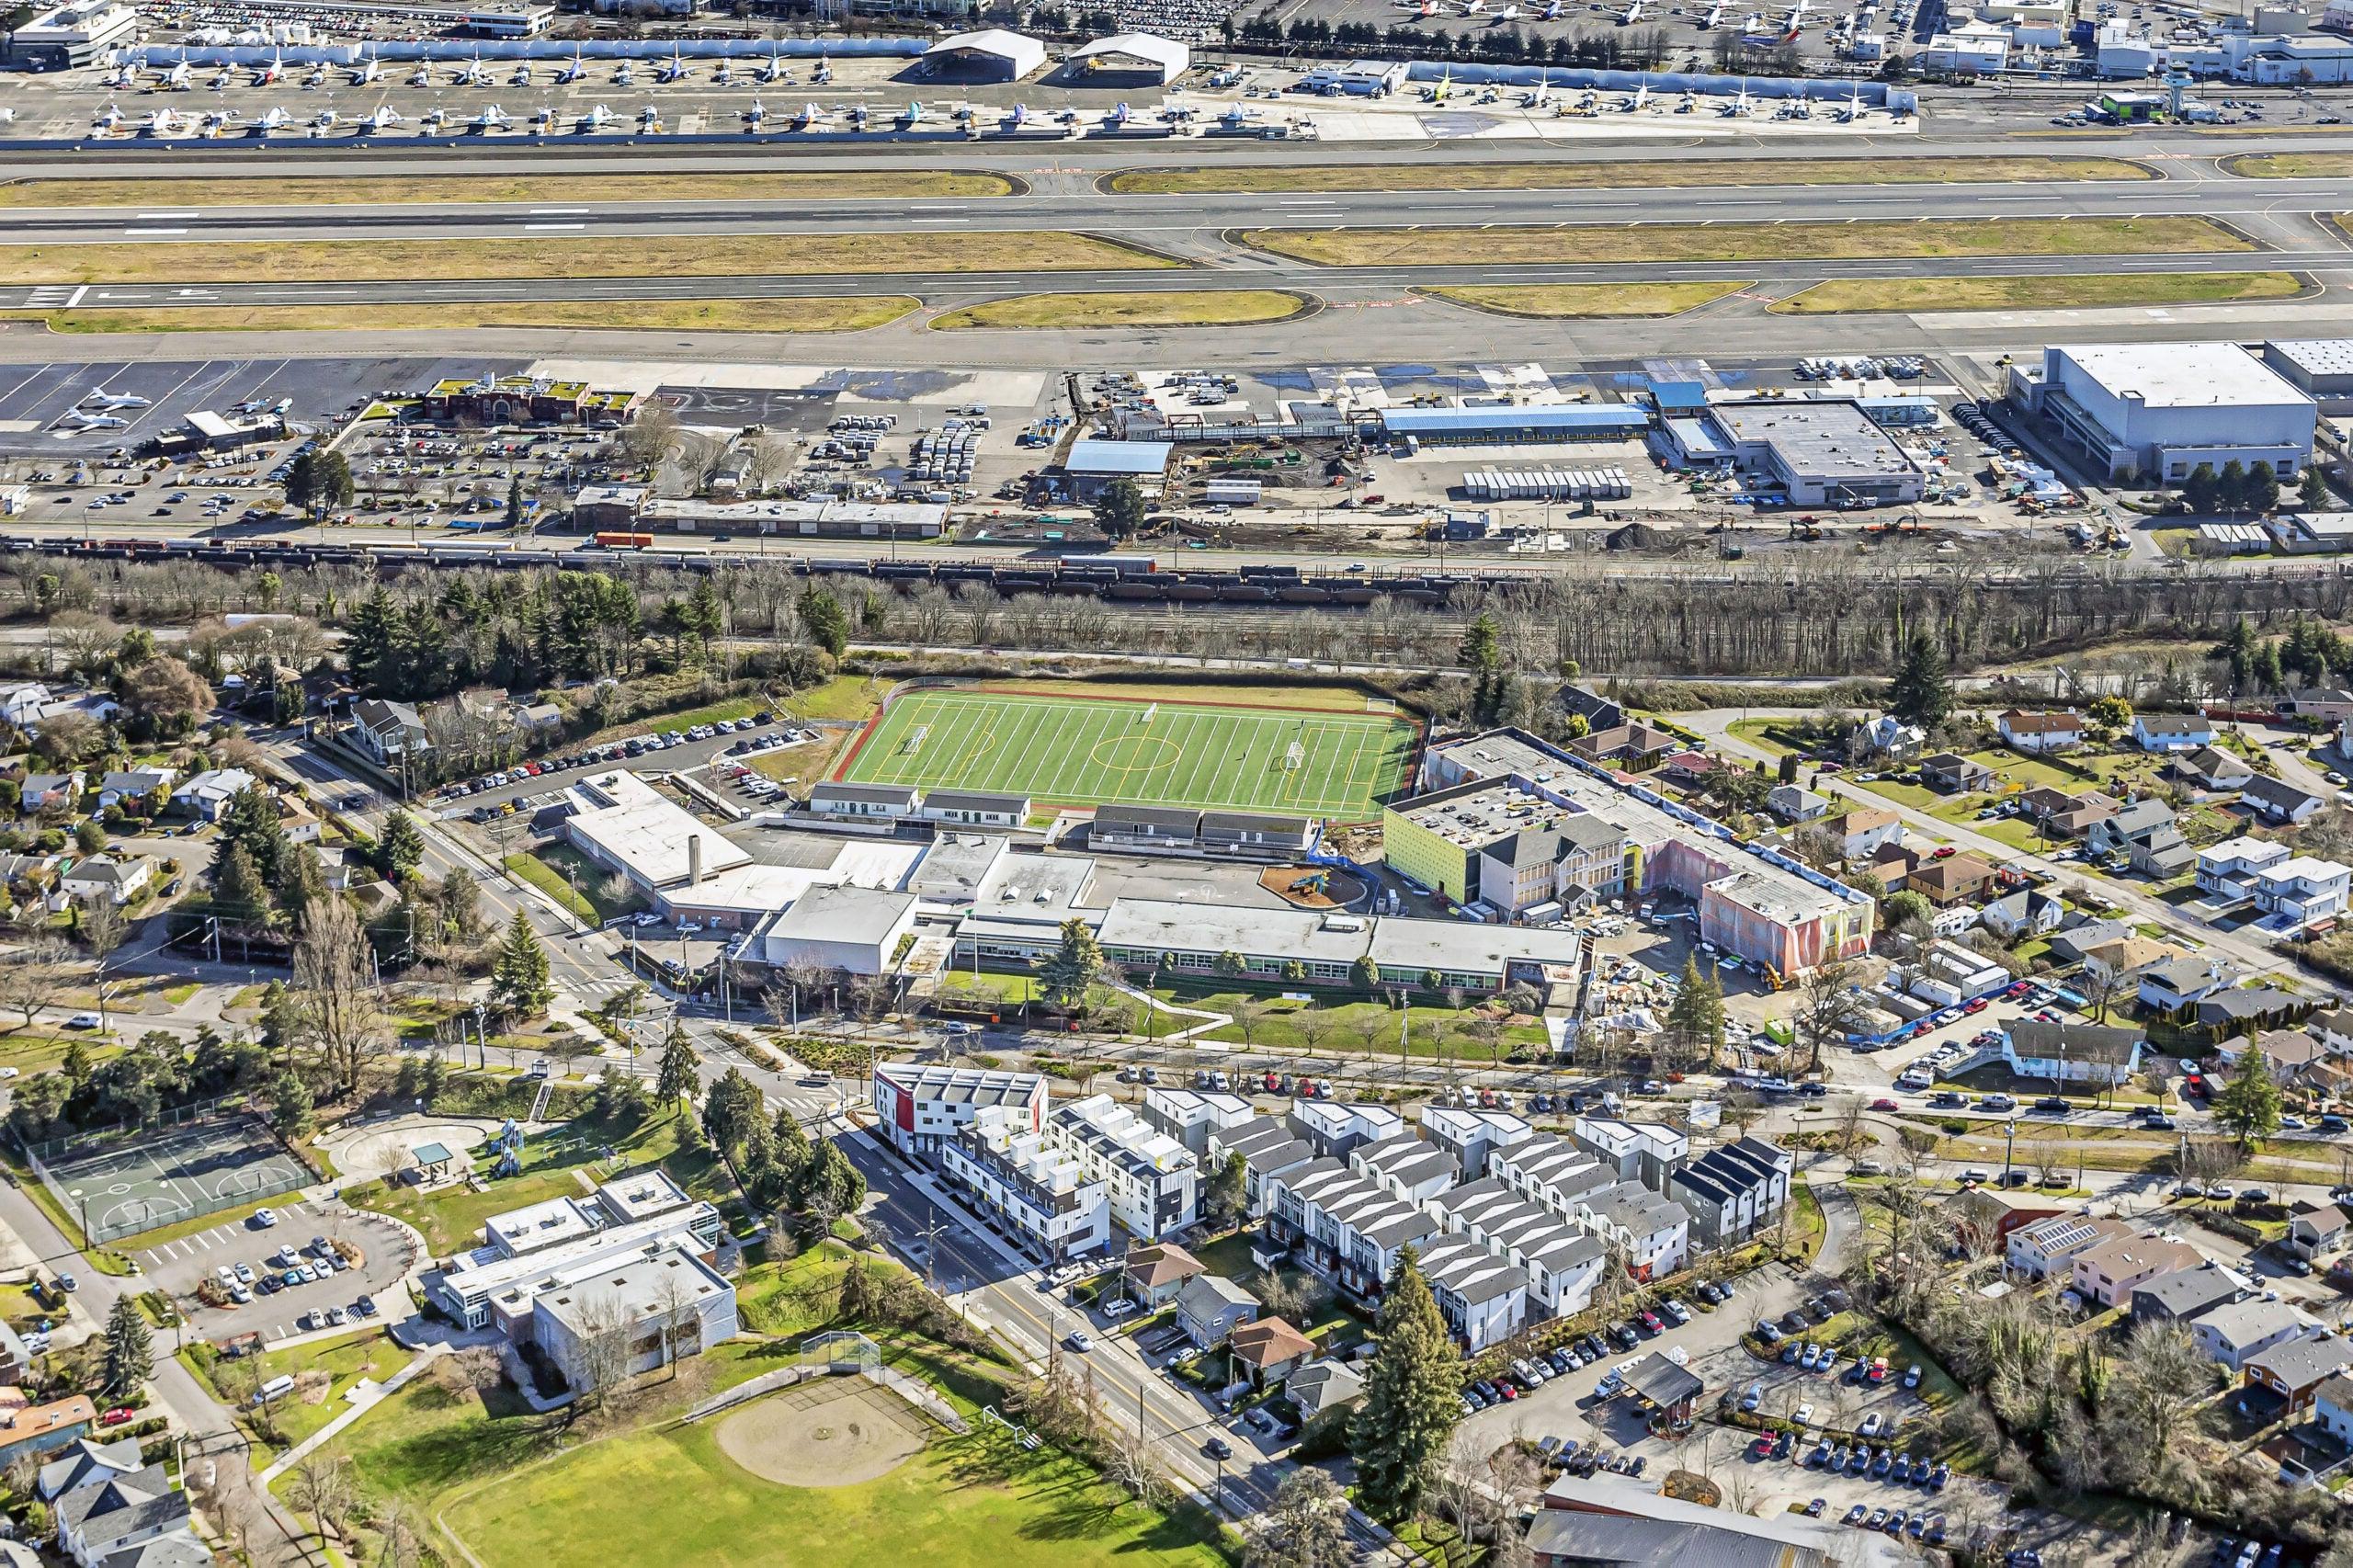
(170, 1174)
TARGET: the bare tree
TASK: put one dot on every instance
(1848, 1123)
(102, 925)
(34, 976)
(322, 1488)
(601, 1366)
(681, 1324)
(335, 976)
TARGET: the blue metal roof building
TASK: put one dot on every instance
(1509, 424)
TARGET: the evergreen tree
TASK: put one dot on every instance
(2262, 492)
(2200, 492)
(1073, 967)
(238, 893)
(676, 1080)
(831, 1186)
(2248, 1105)
(518, 978)
(2312, 490)
(130, 1348)
(2233, 485)
(251, 820)
(1921, 694)
(1400, 1430)
(2268, 673)
(514, 503)
(1120, 510)
(1227, 1195)
(371, 641)
(1698, 1014)
(290, 1105)
(398, 852)
(822, 614)
(730, 1109)
(2237, 650)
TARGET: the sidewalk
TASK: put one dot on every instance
(361, 1398)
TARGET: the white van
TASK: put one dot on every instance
(277, 1388)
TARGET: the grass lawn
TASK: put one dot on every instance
(557, 859)
(1633, 173)
(1565, 300)
(554, 1165)
(1868, 294)
(1012, 989)
(972, 1502)
(370, 1353)
(843, 697)
(795, 1296)
(35, 1050)
(1338, 1026)
(1234, 307)
(638, 256)
(551, 882)
(1137, 749)
(1313, 698)
(1731, 242)
(847, 312)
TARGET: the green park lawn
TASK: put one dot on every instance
(562, 1162)
(972, 1502)
(370, 1353)
(1335, 1028)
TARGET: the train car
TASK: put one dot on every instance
(624, 541)
(1118, 565)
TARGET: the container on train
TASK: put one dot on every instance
(1232, 492)
(625, 541)
(1125, 565)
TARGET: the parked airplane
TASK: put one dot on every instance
(542, 118)
(725, 75)
(824, 72)
(326, 119)
(626, 75)
(649, 120)
(98, 397)
(572, 70)
(492, 119)
(106, 118)
(595, 119)
(1538, 97)
(772, 69)
(124, 76)
(912, 116)
(318, 76)
(1739, 105)
(266, 75)
(213, 123)
(473, 74)
(858, 116)
(811, 118)
(1436, 91)
(1013, 117)
(176, 78)
(756, 114)
(1715, 15)
(422, 76)
(382, 117)
(269, 121)
(432, 119)
(522, 76)
(81, 421)
(366, 72)
(1631, 15)
(673, 69)
(163, 122)
(1852, 109)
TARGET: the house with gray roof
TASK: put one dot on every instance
(2183, 1294)
(1270, 1149)
(85, 1461)
(117, 1511)
(1210, 1307)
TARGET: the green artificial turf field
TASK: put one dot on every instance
(1088, 751)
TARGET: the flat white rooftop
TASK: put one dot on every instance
(2183, 375)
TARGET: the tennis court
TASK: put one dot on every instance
(170, 1174)
(1088, 751)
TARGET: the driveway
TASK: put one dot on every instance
(387, 1254)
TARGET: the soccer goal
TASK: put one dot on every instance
(913, 743)
(1145, 717)
(1294, 756)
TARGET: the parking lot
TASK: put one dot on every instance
(35, 400)
(246, 1246)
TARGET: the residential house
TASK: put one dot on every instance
(1863, 830)
(1792, 803)
(1645, 1152)
(102, 877)
(2070, 943)
(2106, 1273)
(1347, 1227)
(2079, 815)
(297, 821)
(2072, 1053)
(2288, 1054)
(2181, 1295)
(1481, 1294)
(2231, 1336)
(2122, 962)
(1734, 1190)
(391, 733)
(118, 1511)
(208, 794)
(1190, 1116)
(1987, 1217)
(2016, 916)
(1270, 1149)
(2294, 1368)
(1893, 865)
(1598, 712)
(2182, 983)
(1265, 1351)
(49, 791)
(2133, 824)
(137, 790)
(1688, 768)
(1470, 1134)
(2165, 733)
(1152, 1275)
(1337, 1127)
(2214, 770)
(2227, 870)
(2317, 1229)
(2319, 702)
(1889, 736)
(85, 1461)
(2162, 855)
(1210, 1307)
(2043, 800)
(2277, 801)
(1956, 879)
(1948, 773)
(2041, 733)
(2300, 891)
(2333, 1408)
(1633, 746)
(2049, 1246)
(1406, 1167)
(44, 1428)
(2232, 1012)
(1322, 1386)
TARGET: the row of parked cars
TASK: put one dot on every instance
(614, 751)
(283, 1270)
(1924, 1527)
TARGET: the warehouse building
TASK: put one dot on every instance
(1818, 453)
(2321, 368)
(1141, 57)
(1514, 424)
(992, 55)
(2156, 411)
(1094, 464)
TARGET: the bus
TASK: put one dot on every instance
(625, 541)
